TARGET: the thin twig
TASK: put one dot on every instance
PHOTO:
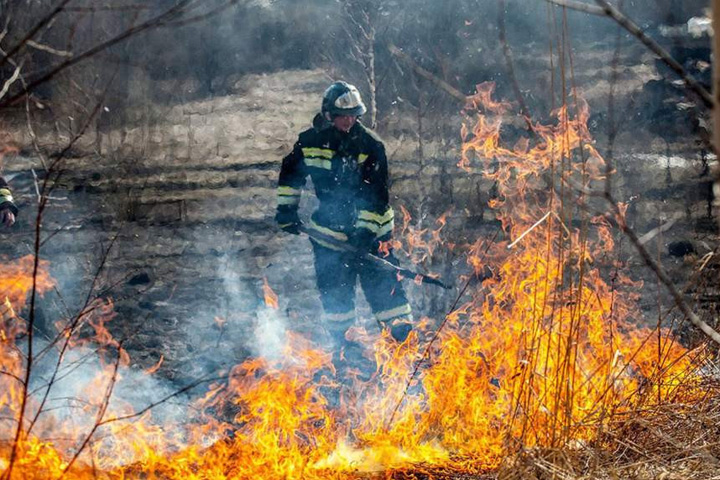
(454, 92)
(155, 22)
(100, 414)
(31, 33)
(579, 6)
(535, 225)
(48, 49)
(8, 83)
(662, 228)
(511, 67)
(176, 393)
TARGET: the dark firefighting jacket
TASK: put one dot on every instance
(349, 172)
(6, 198)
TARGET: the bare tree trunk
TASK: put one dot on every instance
(360, 28)
(370, 62)
(716, 99)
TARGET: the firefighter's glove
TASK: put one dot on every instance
(7, 217)
(289, 222)
(363, 241)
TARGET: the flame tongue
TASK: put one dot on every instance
(271, 298)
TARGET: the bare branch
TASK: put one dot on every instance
(454, 92)
(48, 49)
(608, 10)
(8, 83)
(579, 6)
(511, 67)
(662, 228)
(5, 29)
(163, 400)
(11, 375)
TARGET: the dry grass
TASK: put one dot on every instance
(676, 441)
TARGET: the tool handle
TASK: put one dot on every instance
(381, 262)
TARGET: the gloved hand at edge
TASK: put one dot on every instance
(363, 240)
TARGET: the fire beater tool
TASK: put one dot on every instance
(374, 259)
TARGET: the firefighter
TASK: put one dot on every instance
(348, 167)
(8, 210)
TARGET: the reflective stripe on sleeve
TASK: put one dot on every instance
(5, 195)
(327, 245)
(387, 315)
(378, 224)
(373, 227)
(362, 157)
(375, 217)
(385, 229)
(288, 191)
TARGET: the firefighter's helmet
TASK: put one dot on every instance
(341, 98)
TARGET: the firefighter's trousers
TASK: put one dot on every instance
(337, 273)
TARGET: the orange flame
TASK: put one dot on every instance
(418, 244)
(271, 298)
(17, 279)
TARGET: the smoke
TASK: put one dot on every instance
(269, 334)
(83, 381)
(245, 312)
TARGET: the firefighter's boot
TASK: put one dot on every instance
(399, 328)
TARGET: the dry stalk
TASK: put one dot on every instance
(661, 229)
(578, 6)
(438, 82)
(535, 225)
